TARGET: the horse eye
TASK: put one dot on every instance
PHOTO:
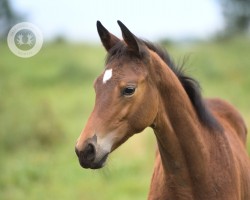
(128, 91)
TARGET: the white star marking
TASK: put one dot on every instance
(107, 75)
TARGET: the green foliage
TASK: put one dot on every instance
(45, 101)
(236, 16)
(25, 122)
(8, 17)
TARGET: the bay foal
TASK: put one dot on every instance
(201, 142)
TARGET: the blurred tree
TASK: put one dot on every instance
(8, 17)
(237, 16)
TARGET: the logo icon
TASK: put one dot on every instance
(25, 40)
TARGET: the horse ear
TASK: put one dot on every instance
(108, 39)
(130, 39)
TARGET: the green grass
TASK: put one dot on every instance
(44, 104)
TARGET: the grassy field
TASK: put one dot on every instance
(45, 101)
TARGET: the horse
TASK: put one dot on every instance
(201, 143)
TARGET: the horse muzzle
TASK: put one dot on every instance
(91, 155)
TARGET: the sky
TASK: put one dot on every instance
(149, 19)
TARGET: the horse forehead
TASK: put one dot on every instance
(112, 72)
(116, 71)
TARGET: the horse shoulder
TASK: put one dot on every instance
(158, 187)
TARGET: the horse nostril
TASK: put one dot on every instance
(89, 152)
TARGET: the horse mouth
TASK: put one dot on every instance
(96, 164)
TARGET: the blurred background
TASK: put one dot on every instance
(45, 100)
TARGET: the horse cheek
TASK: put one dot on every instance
(144, 116)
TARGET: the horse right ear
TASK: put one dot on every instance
(108, 39)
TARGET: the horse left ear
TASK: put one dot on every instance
(130, 39)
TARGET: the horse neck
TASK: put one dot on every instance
(177, 128)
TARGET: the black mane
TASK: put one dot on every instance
(190, 85)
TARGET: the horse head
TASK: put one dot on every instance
(126, 100)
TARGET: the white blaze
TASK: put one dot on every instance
(107, 75)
